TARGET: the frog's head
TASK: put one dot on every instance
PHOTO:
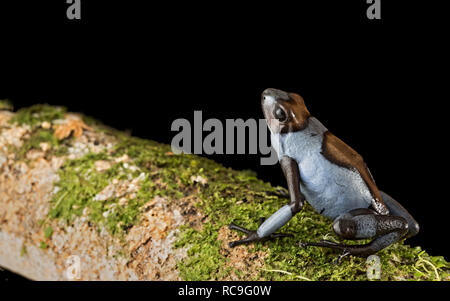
(284, 112)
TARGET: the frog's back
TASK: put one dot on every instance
(329, 188)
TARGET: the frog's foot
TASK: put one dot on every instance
(324, 244)
(364, 250)
(252, 236)
(346, 249)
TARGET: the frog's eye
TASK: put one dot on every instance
(279, 114)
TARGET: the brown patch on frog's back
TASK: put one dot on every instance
(338, 152)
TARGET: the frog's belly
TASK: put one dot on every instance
(330, 189)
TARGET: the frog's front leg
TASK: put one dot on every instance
(267, 229)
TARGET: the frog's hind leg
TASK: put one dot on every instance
(395, 208)
(362, 224)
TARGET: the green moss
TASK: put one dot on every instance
(5, 104)
(37, 114)
(48, 232)
(203, 262)
(37, 137)
(43, 245)
(79, 183)
(34, 116)
(151, 157)
(23, 251)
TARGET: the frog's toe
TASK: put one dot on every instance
(322, 243)
(252, 237)
(338, 260)
(233, 226)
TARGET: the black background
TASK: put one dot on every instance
(379, 85)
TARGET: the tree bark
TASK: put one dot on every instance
(77, 250)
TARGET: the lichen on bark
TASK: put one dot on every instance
(131, 209)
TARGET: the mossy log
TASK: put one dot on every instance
(79, 200)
